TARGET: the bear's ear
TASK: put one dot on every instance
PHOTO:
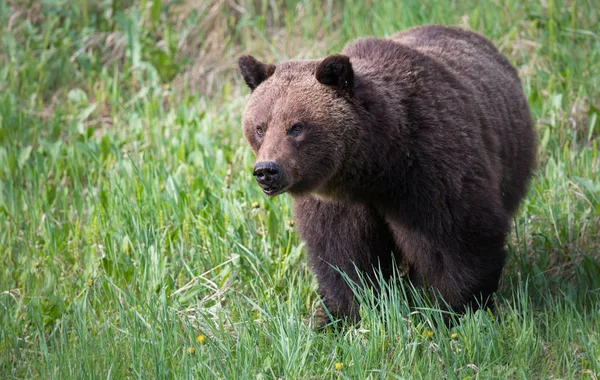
(336, 70)
(254, 72)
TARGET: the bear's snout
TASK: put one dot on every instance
(268, 175)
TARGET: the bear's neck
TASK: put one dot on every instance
(376, 168)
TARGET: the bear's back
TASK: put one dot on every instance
(453, 60)
(506, 119)
(466, 54)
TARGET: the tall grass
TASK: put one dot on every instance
(134, 243)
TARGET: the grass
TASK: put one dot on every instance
(134, 243)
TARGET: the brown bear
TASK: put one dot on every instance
(416, 148)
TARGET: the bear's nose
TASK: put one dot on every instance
(267, 173)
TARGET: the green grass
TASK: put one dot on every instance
(130, 224)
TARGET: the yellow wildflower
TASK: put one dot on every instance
(454, 336)
(191, 350)
(200, 339)
(90, 282)
(429, 334)
(339, 366)
(36, 264)
(255, 205)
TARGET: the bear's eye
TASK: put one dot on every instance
(295, 129)
(260, 131)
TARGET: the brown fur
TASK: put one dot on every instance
(418, 146)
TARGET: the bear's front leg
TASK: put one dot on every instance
(342, 237)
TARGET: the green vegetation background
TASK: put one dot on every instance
(134, 243)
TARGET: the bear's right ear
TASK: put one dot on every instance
(336, 70)
(254, 72)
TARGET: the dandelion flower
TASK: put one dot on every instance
(191, 350)
(429, 334)
(36, 264)
(291, 223)
(255, 205)
(339, 366)
(90, 282)
(454, 336)
(200, 339)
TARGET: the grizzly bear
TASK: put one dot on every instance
(416, 148)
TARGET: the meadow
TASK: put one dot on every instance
(134, 242)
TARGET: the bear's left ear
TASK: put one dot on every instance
(336, 70)
(253, 71)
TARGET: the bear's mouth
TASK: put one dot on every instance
(272, 191)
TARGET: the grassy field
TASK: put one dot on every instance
(134, 242)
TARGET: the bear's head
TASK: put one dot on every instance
(299, 121)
